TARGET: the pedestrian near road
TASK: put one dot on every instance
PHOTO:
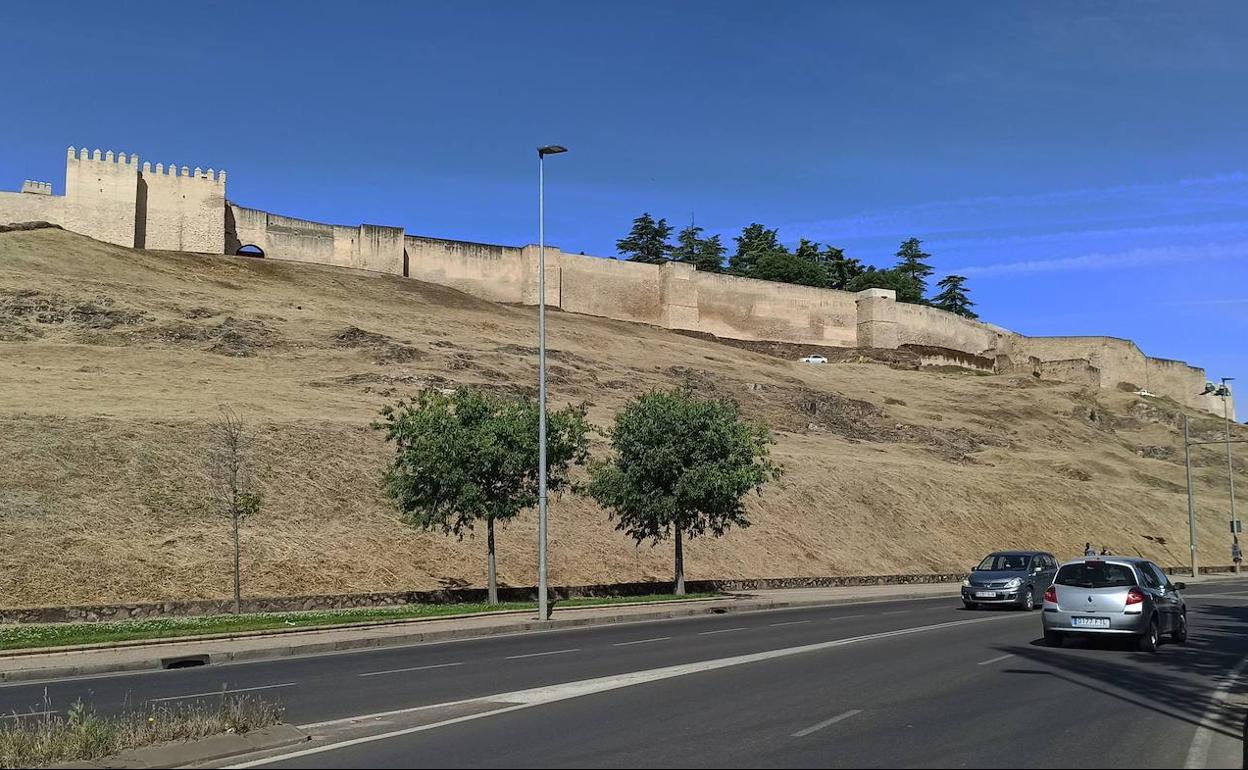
(1105, 550)
(1088, 550)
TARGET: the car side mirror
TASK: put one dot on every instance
(1180, 586)
(974, 569)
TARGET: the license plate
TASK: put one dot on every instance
(1089, 622)
(985, 594)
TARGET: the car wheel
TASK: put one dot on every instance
(969, 605)
(1148, 640)
(1052, 639)
(1179, 636)
(1029, 601)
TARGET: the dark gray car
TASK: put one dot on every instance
(1017, 578)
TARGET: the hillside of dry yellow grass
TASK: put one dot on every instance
(113, 360)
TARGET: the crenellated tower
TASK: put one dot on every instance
(101, 195)
(181, 209)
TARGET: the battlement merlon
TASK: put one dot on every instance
(33, 187)
(108, 157)
(209, 176)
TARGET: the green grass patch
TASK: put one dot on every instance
(20, 637)
(38, 739)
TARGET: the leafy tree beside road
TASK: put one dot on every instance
(472, 457)
(682, 467)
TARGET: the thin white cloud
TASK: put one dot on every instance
(1111, 260)
(1181, 196)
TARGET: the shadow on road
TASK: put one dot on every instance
(1179, 681)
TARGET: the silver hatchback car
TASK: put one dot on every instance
(1114, 596)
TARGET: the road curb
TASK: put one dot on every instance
(265, 632)
(210, 749)
(163, 651)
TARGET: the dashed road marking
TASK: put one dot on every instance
(413, 668)
(642, 641)
(540, 654)
(827, 723)
(222, 692)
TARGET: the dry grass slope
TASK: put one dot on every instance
(111, 361)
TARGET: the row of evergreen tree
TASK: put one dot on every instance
(760, 254)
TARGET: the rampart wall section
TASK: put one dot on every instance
(108, 197)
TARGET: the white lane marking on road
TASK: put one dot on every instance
(722, 631)
(846, 617)
(642, 641)
(540, 696)
(827, 723)
(895, 612)
(789, 623)
(413, 668)
(997, 659)
(222, 692)
(389, 648)
(1198, 752)
(540, 654)
(29, 714)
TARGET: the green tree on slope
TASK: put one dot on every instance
(682, 467)
(471, 457)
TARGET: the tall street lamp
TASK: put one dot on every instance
(1225, 393)
(543, 606)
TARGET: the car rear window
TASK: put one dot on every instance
(1095, 574)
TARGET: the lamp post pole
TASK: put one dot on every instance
(1224, 392)
(1230, 468)
(1191, 496)
(543, 605)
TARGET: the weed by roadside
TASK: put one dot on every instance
(37, 739)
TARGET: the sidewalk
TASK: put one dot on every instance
(57, 663)
(32, 665)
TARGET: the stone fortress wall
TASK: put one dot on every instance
(111, 198)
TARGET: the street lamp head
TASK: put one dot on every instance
(550, 149)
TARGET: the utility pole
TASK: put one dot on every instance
(1191, 497)
(543, 604)
(1225, 392)
(1191, 492)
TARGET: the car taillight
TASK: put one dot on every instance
(1050, 594)
(1135, 596)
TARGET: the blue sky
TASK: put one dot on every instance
(1085, 164)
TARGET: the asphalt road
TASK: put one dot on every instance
(915, 683)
